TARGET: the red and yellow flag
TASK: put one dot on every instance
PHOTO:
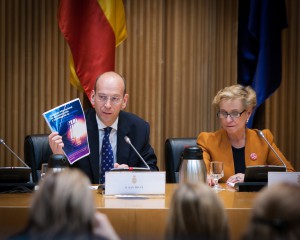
(93, 29)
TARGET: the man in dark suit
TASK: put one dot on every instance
(109, 99)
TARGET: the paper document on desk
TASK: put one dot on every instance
(68, 120)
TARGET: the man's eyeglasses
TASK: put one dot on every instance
(113, 99)
(234, 114)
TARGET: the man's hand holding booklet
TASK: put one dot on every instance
(68, 120)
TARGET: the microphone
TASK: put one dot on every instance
(2, 142)
(127, 139)
(260, 133)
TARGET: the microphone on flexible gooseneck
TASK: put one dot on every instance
(260, 133)
(2, 142)
(127, 139)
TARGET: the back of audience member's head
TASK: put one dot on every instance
(62, 207)
(196, 212)
(276, 214)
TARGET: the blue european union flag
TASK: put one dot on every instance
(259, 46)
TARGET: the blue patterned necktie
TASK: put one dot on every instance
(107, 156)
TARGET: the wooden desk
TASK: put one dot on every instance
(132, 218)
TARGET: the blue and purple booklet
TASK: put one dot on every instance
(68, 120)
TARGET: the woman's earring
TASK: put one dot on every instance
(247, 120)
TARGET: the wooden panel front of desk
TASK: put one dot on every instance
(132, 218)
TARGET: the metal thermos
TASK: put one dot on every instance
(192, 168)
(57, 163)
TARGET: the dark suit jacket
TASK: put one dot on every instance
(216, 147)
(129, 125)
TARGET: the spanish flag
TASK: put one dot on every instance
(93, 29)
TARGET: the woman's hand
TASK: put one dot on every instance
(210, 181)
(239, 177)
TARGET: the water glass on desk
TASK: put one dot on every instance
(44, 170)
(216, 172)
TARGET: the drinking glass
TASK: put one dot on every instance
(216, 172)
(44, 169)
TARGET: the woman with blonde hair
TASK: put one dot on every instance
(234, 144)
(63, 208)
(276, 214)
(196, 212)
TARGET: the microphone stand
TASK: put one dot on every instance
(263, 136)
(2, 142)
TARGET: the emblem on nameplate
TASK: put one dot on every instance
(134, 180)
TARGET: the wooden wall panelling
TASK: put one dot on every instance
(283, 109)
(34, 71)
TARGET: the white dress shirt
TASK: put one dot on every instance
(112, 136)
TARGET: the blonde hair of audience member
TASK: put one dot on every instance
(63, 206)
(276, 214)
(196, 212)
(237, 91)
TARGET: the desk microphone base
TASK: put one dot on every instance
(250, 186)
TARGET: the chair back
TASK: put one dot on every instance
(173, 152)
(37, 151)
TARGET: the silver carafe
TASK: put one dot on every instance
(192, 168)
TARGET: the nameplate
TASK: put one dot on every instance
(278, 177)
(131, 182)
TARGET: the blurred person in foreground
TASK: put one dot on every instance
(276, 213)
(109, 99)
(196, 212)
(234, 144)
(63, 208)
